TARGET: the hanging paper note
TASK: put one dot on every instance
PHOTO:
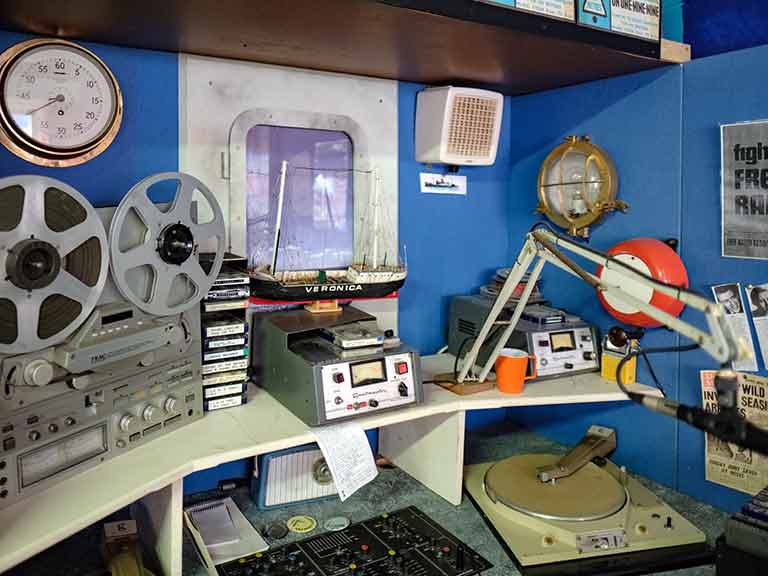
(729, 295)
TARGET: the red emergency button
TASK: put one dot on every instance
(338, 377)
(401, 367)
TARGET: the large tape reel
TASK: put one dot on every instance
(53, 262)
(154, 252)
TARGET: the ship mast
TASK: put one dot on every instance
(278, 223)
(375, 219)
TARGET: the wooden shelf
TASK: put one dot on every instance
(261, 426)
(429, 41)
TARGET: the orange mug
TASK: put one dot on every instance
(511, 366)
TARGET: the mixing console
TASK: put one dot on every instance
(402, 543)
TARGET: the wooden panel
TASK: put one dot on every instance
(353, 36)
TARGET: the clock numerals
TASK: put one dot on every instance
(61, 100)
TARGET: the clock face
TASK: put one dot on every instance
(59, 97)
(60, 103)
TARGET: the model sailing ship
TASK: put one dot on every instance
(370, 275)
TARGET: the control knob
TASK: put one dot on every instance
(148, 413)
(126, 422)
(170, 404)
(589, 355)
(403, 389)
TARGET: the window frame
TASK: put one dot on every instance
(238, 164)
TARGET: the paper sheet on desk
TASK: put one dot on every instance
(348, 455)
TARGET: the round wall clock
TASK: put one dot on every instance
(59, 103)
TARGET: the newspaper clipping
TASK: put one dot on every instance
(744, 189)
(728, 464)
(729, 295)
(758, 307)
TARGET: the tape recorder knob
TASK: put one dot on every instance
(126, 422)
(170, 404)
(148, 413)
(38, 373)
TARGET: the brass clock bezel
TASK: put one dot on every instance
(22, 145)
(606, 200)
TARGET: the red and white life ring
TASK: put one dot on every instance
(653, 258)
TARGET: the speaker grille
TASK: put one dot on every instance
(470, 133)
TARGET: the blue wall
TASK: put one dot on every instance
(636, 119)
(717, 90)
(454, 243)
(662, 129)
(715, 26)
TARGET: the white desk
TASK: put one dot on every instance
(427, 441)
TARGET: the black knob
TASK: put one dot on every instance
(403, 389)
(568, 366)
(589, 355)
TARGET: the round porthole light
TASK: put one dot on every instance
(578, 185)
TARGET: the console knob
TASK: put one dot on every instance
(403, 389)
(589, 355)
(148, 413)
(126, 422)
(170, 404)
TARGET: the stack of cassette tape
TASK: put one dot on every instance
(99, 322)
(225, 336)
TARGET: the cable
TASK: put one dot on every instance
(653, 373)
(639, 351)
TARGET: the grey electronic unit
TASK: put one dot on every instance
(99, 324)
(562, 343)
(321, 382)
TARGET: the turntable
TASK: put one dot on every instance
(581, 514)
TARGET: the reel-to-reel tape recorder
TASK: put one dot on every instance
(99, 332)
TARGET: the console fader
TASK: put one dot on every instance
(402, 543)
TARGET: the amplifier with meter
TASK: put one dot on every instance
(562, 343)
(322, 382)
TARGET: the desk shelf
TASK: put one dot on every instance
(154, 473)
(428, 41)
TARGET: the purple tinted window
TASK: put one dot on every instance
(317, 224)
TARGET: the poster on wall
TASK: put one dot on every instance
(562, 9)
(757, 298)
(744, 173)
(638, 18)
(728, 464)
(729, 295)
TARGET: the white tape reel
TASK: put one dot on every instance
(53, 262)
(154, 252)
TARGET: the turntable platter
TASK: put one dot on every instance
(591, 493)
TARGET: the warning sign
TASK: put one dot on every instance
(638, 18)
(563, 9)
(595, 7)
